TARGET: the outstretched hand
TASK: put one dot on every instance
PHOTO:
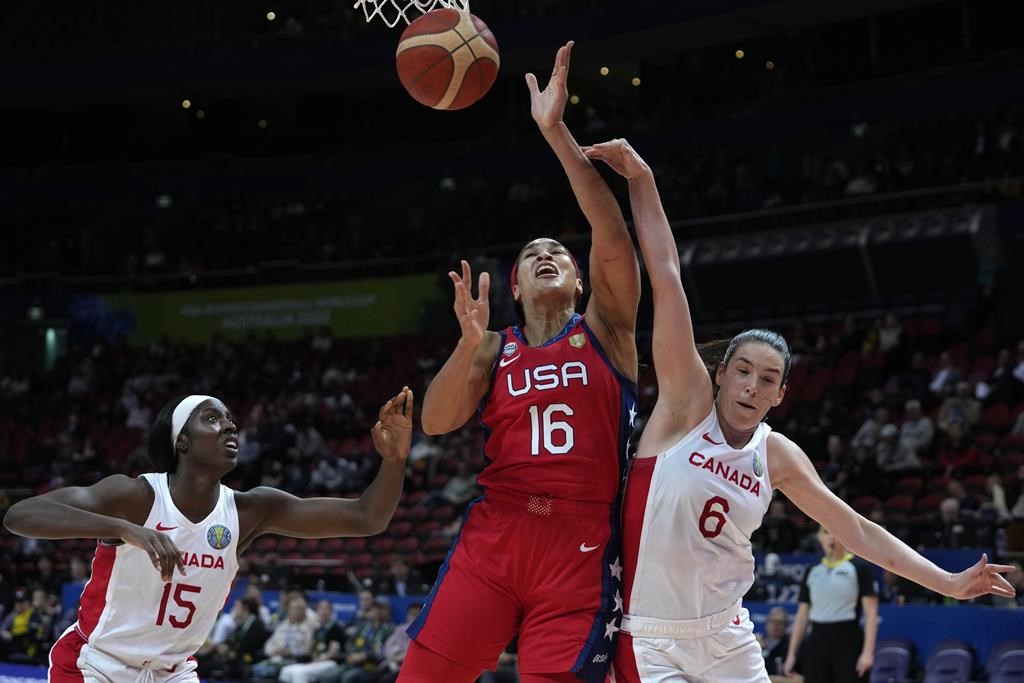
(473, 314)
(548, 105)
(982, 579)
(392, 435)
(620, 156)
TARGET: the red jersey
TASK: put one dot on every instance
(557, 418)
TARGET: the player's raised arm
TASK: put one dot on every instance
(104, 510)
(794, 475)
(683, 382)
(461, 383)
(614, 273)
(278, 512)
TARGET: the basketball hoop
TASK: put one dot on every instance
(392, 12)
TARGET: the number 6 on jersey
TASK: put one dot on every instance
(545, 424)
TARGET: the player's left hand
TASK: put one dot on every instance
(392, 435)
(864, 662)
(981, 579)
(548, 105)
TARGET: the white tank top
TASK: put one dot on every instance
(688, 517)
(127, 610)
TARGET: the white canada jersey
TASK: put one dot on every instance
(687, 520)
(129, 613)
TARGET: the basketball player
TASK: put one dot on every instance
(169, 541)
(538, 554)
(703, 478)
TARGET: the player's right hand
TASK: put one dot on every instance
(160, 548)
(473, 314)
(621, 156)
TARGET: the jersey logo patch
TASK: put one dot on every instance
(160, 527)
(707, 437)
(510, 348)
(584, 548)
(505, 361)
(578, 341)
(219, 537)
(758, 467)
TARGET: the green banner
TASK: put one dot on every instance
(350, 308)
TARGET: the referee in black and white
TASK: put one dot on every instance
(835, 593)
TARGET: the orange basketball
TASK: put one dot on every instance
(447, 59)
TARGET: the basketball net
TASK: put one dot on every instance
(392, 12)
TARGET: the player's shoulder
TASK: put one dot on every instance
(124, 485)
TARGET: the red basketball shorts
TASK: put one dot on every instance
(546, 569)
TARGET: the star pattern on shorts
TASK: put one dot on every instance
(618, 602)
(610, 629)
(632, 415)
(616, 569)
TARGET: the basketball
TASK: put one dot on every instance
(447, 59)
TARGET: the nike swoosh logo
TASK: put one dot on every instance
(584, 548)
(710, 440)
(505, 361)
(161, 527)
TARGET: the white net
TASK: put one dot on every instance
(393, 12)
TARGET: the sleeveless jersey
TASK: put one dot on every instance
(687, 520)
(557, 418)
(128, 612)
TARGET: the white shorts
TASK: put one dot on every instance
(73, 660)
(729, 655)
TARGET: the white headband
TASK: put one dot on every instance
(182, 412)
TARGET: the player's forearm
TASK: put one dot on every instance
(50, 519)
(380, 499)
(870, 630)
(796, 637)
(445, 403)
(658, 245)
(876, 545)
(592, 193)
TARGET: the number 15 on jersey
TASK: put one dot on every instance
(547, 429)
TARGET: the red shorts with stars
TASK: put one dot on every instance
(544, 568)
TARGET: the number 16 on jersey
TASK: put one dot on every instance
(549, 431)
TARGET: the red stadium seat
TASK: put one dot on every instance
(929, 504)
(910, 486)
(899, 504)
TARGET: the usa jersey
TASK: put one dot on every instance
(557, 418)
(128, 612)
(688, 516)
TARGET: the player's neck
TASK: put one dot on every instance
(544, 323)
(195, 493)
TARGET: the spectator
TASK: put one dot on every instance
(45, 577)
(950, 530)
(890, 333)
(290, 642)
(893, 455)
(865, 476)
(945, 377)
(775, 641)
(917, 431)
(23, 633)
(1002, 384)
(869, 433)
(960, 407)
(365, 647)
(957, 454)
(244, 644)
(507, 670)
(328, 644)
(402, 580)
(395, 648)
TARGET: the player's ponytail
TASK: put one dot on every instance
(162, 453)
(713, 355)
